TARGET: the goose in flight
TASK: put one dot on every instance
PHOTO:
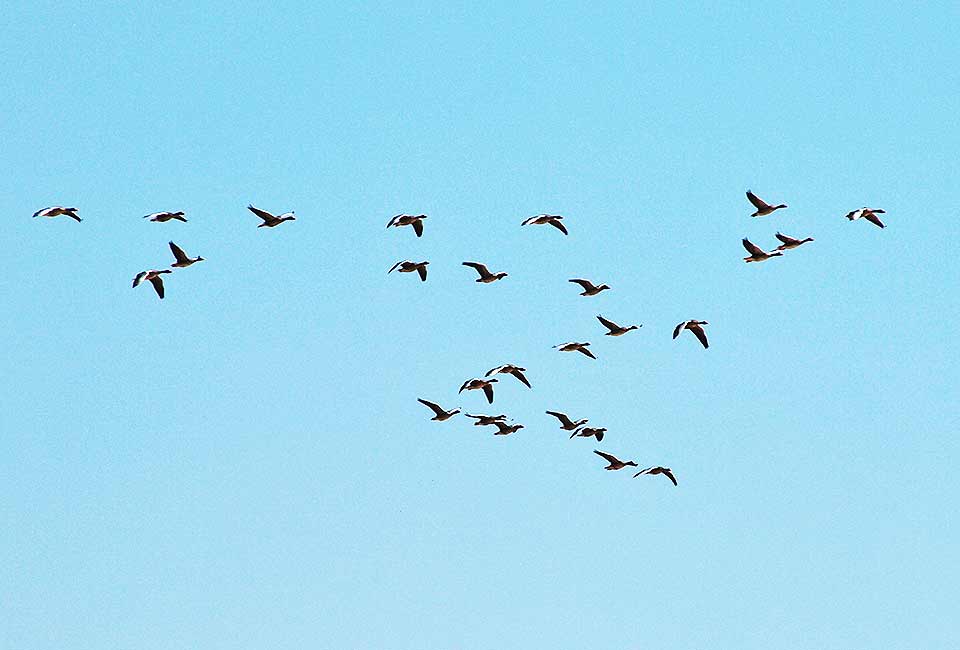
(406, 266)
(441, 413)
(56, 211)
(757, 254)
(565, 422)
(415, 220)
(486, 420)
(163, 217)
(790, 242)
(589, 288)
(666, 471)
(870, 214)
(575, 347)
(541, 219)
(153, 276)
(510, 369)
(485, 275)
(615, 463)
(486, 385)
(182, 260)
(695, 327)
(504, 429)
(763, 208)
(269, 220)
(615, 330)
(588, 432)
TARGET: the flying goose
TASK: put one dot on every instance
(270, 220)
(182, 260)
(615, 330)
(565, 422)
(510, 369)
(541, 219)
(163, 217)
(56, 211)
(763, 208)
(154, 277)
(870, 214)
(666, 471)
(790, 242)
(406, 266)
(575, 347)
(415, 220)
(615, 463)
(504, 429)
(486, 385)
(486, 420)
(441, 414)
(695, 327)
(589, 288)
(485, 275)
(587, 432)
(757, 254)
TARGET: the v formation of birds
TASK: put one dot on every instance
(486, 383)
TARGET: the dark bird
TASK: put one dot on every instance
(485, 275)
(163, 217)
(415, 220)
(695, 327)
(154, 277)
(486, 420)
(575, 347)
(615, 463)
(870, 214)
(790, 242)
(541, 219)
(588, 432)
(441, 414)
(589, 288)
(406, 266)
(757, 254)
(486, 385)
(510, 369)
(182, 260)
(504, 429)
(269, 220)
(763, 208)
(615, 330)
(56, 211)
(565, 422)
(666, 471)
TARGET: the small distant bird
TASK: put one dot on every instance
(182, 260)
(510, 369)
(615, 463)
(575, 347)
(757, 254)
(441, 414)
(541, 219)
(56, 211)
(406, 266)
(163, 217)
(486, 385)
(415, 220)
(870, 214)
(565, 422)
(695, 327)
(588, 432)
(504, 429)
(485, 275)
(269, 220)
(589, 288)
(486, 420)
(763, 208)
(790, 242)
(666, 471)
(615, 330)
(154, 278)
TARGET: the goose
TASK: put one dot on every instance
(154, 278)
(589, 288)
(486, 420)
(504, 429)
(510, 369)
(486, 385)
(575, 347)
(182, 260)
(406, 266)
(666, 471)
(163, 217)
(587, 432)
(56, 211)
(763, 208)
(790, 242)
(441, 414)
(269, 220)
(541, 219)
(485, 275)
(415, 220)
(565, 422)
(757, 254)
(870, 214)
(695, 327)
(615, 463)
(615, 330)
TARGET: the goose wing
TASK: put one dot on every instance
(700, 334)
(556, 223)
(418, 227)
(666, 471)
(435, 407)
(586, 351)
(488, 391)
(787, 240)
(613, 460)
(564, 420)
(394, 267)
(870, 215)
(752, 248)
(516, 372)
(178, 253)
(138, 278)
(422, 271)
(757, 202)
(72, 214)
(263, 214)
(586, 284)
(480, 268)
(678, 329)
(157, 283)
(42, 213)
(643, 471)
(464, 387)
(609, 324)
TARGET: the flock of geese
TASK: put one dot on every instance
(486, 383)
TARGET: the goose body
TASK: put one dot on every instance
(510, 369)
(589, 432)
(757, 254)
(575, 347)
(486, 385)
(694, 326)
(790, 242)
(554, 220)
(486, 420)
(406, 266)
(163, 217)
(870, 214)
(763, 208)
(666, 471)
(485, 275)
(152, 276)
(271, 220)
(589, 288)
(615, 463)
(614, 329)
(183, 260)
(415, 220)
(441, 414)
(565, 422)
(56, 211)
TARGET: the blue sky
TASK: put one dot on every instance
(245, 465)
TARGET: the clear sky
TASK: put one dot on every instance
(244, 464)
